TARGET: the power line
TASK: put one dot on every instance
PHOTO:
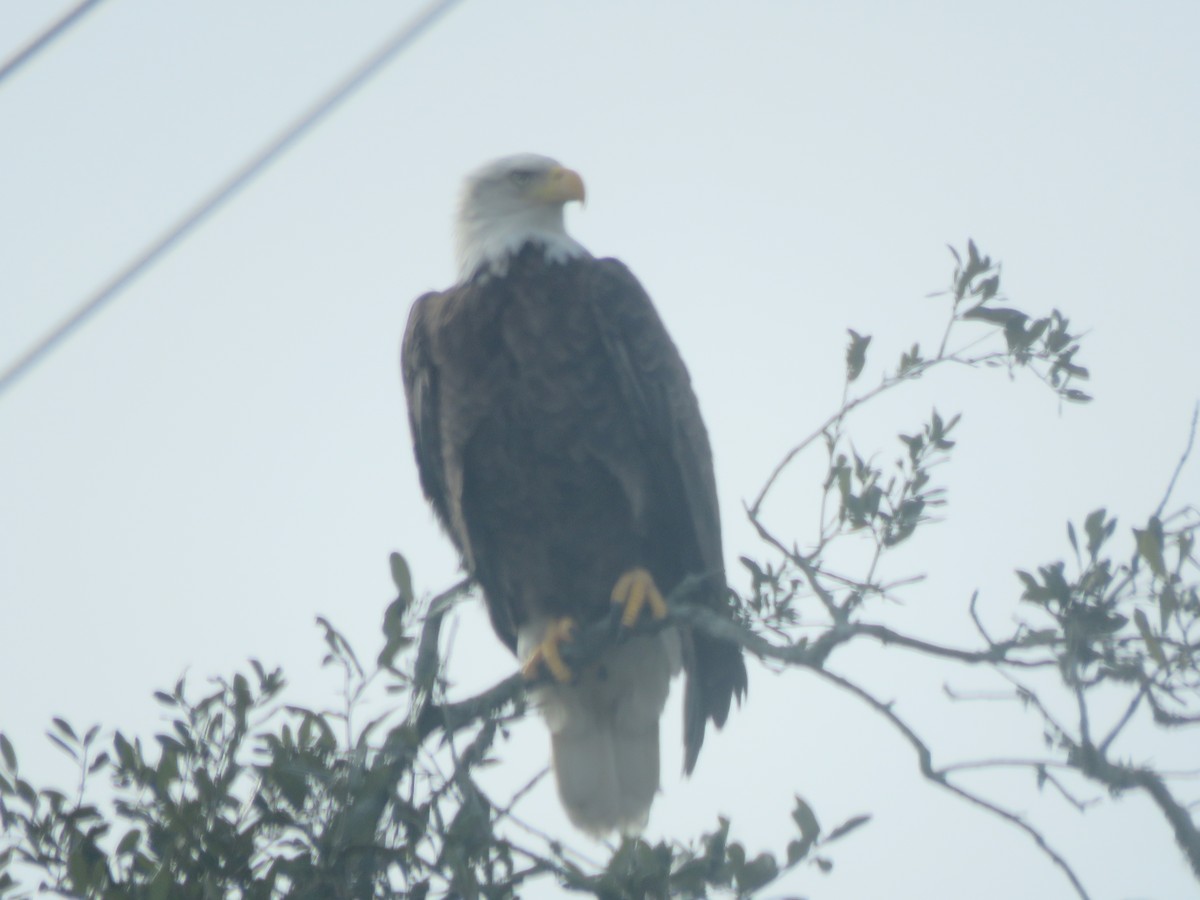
(398, 42)
(31, 49)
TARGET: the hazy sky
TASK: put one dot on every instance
(223, 454)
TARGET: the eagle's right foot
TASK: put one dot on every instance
(547, 653)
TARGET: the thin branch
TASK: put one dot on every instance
(995, 653)
(839, 614)
(1182, 460)
(978, 621)
(1080, 805)
(1124, 720)
(925, 762)
(949, 326)
(1003, 763)
(1168, 719)
(1085, 726)
(1028, 695)
(1040, 766)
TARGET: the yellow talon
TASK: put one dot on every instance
(634, 590)
(546, 653)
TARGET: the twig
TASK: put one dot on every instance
(1124, 720)
(1080, 805)
(925, 763)
(1027, 695)
(995, 653)
(1187, 451)
(1003, 763)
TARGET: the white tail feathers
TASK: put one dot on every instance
(604, 733)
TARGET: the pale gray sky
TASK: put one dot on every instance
(223, 454)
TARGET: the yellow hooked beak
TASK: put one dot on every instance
(561, 185)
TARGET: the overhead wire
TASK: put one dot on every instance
(400, 40)
(39, 43)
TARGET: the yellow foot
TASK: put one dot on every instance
(546, 653)
(635, 590)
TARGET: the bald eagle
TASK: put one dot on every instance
(560, 443)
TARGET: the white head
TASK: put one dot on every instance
(510, 202)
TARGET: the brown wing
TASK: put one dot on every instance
(421, 391)
(662, 404)
(443, 418)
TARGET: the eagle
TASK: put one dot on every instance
(560, 443)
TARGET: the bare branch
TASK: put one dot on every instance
(925, 763)
(1125, 718)
(995, 653)
(1187, 451)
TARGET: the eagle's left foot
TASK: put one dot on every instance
(547, 653)
(635, 590)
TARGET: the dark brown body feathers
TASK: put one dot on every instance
(560, 443)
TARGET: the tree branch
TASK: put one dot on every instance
(925, 763)
(1091, 762)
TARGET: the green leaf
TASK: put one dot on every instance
(164, 881)
(997, 316)
(1150, 546)
(796, 850)
(1186, 541)
(806, 820)
(402, 578)
(757, 873)
(987, 288)
(78, 872)
(65, 727)
(241, 693)
(856, 354)
(124, 751)
(1168, 602)
(1098, 531)
(1036, 330)
(167, 771)
(63, 745)
(714, 844)
(129, 843)
(9, 754)
(395, 640)
(1034, 592)
(911, 359)
(26, 792)
(846, 827)
(1152, 644)
(291, 784)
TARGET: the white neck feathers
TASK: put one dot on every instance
(486, 240)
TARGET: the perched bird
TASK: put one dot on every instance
(559, 440)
